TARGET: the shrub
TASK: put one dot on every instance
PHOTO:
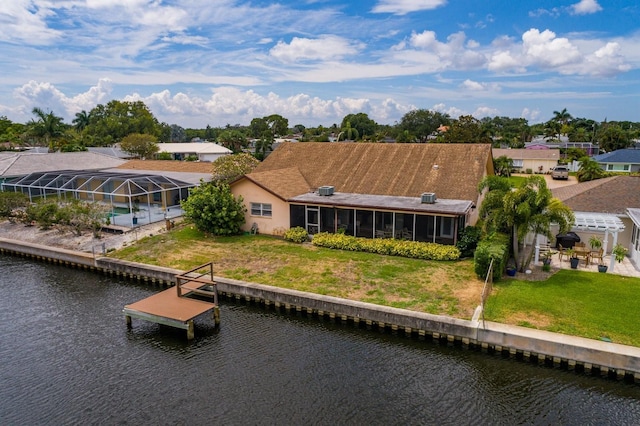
(296, 235)
(468, 240)
(213, 209)
(391, 247)
(495, 247)
(11, 201)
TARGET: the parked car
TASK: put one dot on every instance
(560, 172)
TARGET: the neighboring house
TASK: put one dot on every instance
(137, 191)
(204, 151)
(423, 192)
(539, 143)
(621, 160)
(22, 163)
(606, 200)
(531, 160)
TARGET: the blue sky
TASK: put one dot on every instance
(216, 62)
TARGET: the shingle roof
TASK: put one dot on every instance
(527, 154)
(609, 195)
(452, 171)
(626, 156)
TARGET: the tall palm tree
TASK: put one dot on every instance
(562, 116)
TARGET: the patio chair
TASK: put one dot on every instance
(599, 255)
(562, 252)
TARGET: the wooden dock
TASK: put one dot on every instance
(177, 307)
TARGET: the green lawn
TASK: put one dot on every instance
(587, 304)
(593, 305)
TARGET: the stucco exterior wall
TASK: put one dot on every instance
(274, 225)
(534, 165)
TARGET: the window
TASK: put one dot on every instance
(618, 167)
(260, 209)
(518, 163)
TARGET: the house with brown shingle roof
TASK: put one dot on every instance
(617, 196)
(422, 192)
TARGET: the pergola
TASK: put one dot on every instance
(130, 191)
(600, 222)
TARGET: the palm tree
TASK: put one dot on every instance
(589, 170)
(562, 117)
(48, 126)
(529, 208)
(81, 121)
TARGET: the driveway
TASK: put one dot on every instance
(551, 183)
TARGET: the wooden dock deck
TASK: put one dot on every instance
(176, 307)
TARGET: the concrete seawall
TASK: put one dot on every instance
(590, 356)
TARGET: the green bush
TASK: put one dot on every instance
(11, 201)
(495, 247)
(391, 247)
(213, 209)
(468, 240)
(296, 235)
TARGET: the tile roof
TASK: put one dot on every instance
(452, 171)
(168, 166)
(626, 156)
(17, 164)
(609, 195)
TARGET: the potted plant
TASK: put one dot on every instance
(546, 258)
(602, 267)
(573, 258)
(511, 268)
(619, 252)
(595, 242)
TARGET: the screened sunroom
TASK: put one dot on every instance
(133, 198)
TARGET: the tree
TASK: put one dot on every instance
(348, 133)
(234, 140)
(47, 126)
(230, 167)
(529, 208)
(589, 170)
(361, 122)
(213, 209)
(422, 123)
(466, 129)
(81, 121)
(563, 117)
(503, 166)
(612, 137)
(110, 123)
(140, 145)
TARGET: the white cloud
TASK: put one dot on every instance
(402, 7)
(46, 96)
(472, 85)
(585, 7)
(22, 21)
(530, 114)
(323, 48)
(546, 50)
(485, 111)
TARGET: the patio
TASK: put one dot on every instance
(625, 268)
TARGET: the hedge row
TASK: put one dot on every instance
(495, 247)
(403, 248)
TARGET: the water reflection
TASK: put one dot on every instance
(68, 358)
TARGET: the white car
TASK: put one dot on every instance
(560, 172)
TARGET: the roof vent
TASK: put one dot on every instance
(325, 190)
(428, 198)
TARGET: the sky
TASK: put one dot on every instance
(216, 62)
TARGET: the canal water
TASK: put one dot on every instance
(66, 357)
